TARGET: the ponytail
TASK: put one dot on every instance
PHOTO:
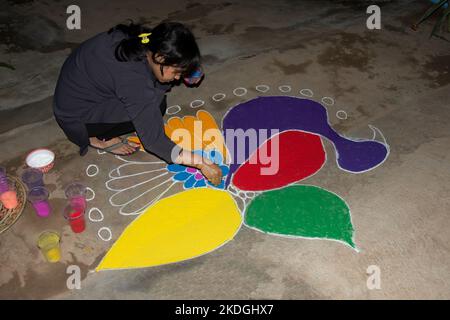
(172, 41)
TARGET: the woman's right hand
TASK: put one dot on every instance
(211, 171)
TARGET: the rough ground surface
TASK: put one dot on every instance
(395, 79)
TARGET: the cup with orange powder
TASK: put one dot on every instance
(8, 195)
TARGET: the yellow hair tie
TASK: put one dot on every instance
(144, 37)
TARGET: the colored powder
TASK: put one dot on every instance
(9, 199)
(177, 228)
(49, 245)
(53, 254)
(302, 211)
(296, 156)
(42, 208)
(291, 113)
(191, 170)
(77, 222)
(78, 202)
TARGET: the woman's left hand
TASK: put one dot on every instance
(195, 79)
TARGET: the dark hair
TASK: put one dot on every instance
(171, 40)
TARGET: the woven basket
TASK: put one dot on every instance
(9, 217)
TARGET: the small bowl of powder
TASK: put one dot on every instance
(41, 159)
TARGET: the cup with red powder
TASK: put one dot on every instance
(38, 197)
(74, 214)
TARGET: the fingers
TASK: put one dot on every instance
(208, 162)
(213, 174)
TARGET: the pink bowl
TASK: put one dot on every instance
(41, 159)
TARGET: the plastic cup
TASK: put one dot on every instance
(9, 197)
(75, 216)
(48, 242)
(3, 181)
(76, 194)
(33, 178)
(39, 199)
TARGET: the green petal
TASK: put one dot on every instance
(301, 211)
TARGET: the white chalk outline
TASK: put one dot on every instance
(131, 163)
(114, 174)
(230, 187)
(250, 194)
(309, 95)
(170, 113)
(104, 229)
(192, 258)
(285, 88)
(133, 175)
(358, 250)
(260, 86)
(201, 104)
(222, 95)
(101, 152)
(240, 88)
(328, 99)
(341, 117)
(94, 166)
(119, 191)
(93, 194)
(99, 211)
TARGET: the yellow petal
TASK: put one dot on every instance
(181, 227)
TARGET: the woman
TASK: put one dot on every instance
(115, 83)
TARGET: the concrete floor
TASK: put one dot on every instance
(394, 79)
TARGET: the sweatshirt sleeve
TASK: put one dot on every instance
(142, 105)
(149, 125)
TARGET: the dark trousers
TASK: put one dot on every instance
(107, 131)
